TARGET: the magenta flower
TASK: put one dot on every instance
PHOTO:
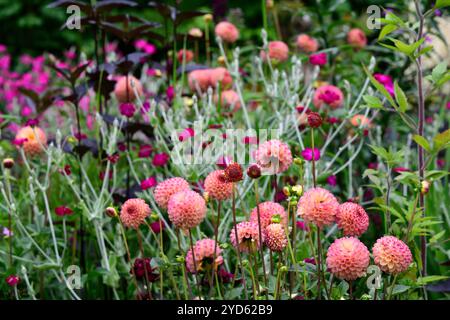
(7, 233)
(186, 134)
(12, 280)
(170, 93)
(63, 211)
(308, 154)
(448, 105)
(160, 159)
(148, 183)
(332, 180)
(318, 59)
(400, 169)
(156, 226)
(127, 109)
(386, 81)
(145, 151)
(301, 225)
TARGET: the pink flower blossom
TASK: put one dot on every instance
(127, 109)
(63, 211)
(186, 134)
(308, 154)
(160, 159)
(145, 151)
(319, 59)
(148, 183)
(332, 180)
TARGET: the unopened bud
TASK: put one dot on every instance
(424, 187)
(286, 191)
(298, 161)
(111, 212)
(298, 189)
(206, 196)
(8, 163)
(221, 60)
(283, 269)
(254, 171)
(208, 17)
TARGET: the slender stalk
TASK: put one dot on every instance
(195, 265)
(216, 234)
(183, 270)
(264, 15)
(319, 265)
(313, 158)
(261, 249)
(122, 229)
(141, 249)
(392, 287)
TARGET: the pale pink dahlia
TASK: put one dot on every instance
(248, 236)
(352, 219)
(348, 258)
(164, 190)
(273, 157)
(392, 255)
(266, 211)
(277, 50)
(186, 209)
(275, 237)
(217, 187)
(329, 95)
(227, 31)
(124, 90)
(229, 100)
(307, 44)
(318, 206)
(204, 255)
(32, 139)
(357, 38)
(134, 212)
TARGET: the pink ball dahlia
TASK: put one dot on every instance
(348, 258)
(217, 187)
(220, 75)
(247, 236)
(392, 255)
(186, 209)
(229, 100)
(199, 79)
(357, 38)
(273, 157)
(266, 211)
(134, 212)
(275, 237)
(227, 31)
(164, 190)
(318, 206)
(32, 139)
(352, 219)
(307, 44)
(277, 50)
(329, 95)
(120, 89)
(204, 255)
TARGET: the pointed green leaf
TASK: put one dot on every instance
(387, 29)
(442, 3)
(400, 97)
(439, 71)
(441, 140)
(421, 141)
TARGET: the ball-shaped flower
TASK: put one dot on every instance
(273, 156)
(392, 255)
(133, 212)
(227, 31)
(267, 210)
(217, 186)
(204, 255)
(186, 209)
(306, 43)
(359, 120)
(330, 95)
(247, 236)
(275, 237)
(348, 258)
(357, 38)
(122, 87)
(32, 139)
(277, 51)
(352, 219)
(199, 80)
(165, 189)
(229, 100)
(186, 55)
(318, 206)
(220, 76)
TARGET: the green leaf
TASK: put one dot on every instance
(421, 141)
(442, 3)
(381, 89)
(437, 236)
(424, 280)
(441, 140)
(439, 71)
(424, 51)
(387, 29)
(400, 97)
(373, 102)
(399, 288)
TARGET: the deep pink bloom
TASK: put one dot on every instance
(113, 158)
(330, 95)
(170, 93)
(160, 159)
(148, 183)
(332, 180)
(333, 120)
(373, 165)
(310, 261)
(224, 161)
(386, 81)
(63, 211)
(127, 109)
(145, 151)
(157, 226)
(318, 59)
(400, 169)
(308, 155)
(302, 225)
(448, 105)
(186, 134)
(12, 280)
(142, 268)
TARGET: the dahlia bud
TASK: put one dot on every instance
(8, 163)
(208, 17)
(111, 212)
(286, 191)
(254, 171)
(154, 216)
(293, 202)
(314, 120)
(233, 172)
(283, 269)
(424, 187)
(298, 189)
(180, 259)
(196, 33)
(298, 161)
(206, 196)
(221, 60)
(276, 218)
(245, 263)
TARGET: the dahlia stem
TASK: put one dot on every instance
(255, 287)
(261, 250)
(208, 58)
(264, 15)
(161, 273)
(271, 263)
(216, 234)
(421, 107)
(141, 249)
(8, 188)
(319, 265)
(313, 158)
(195, 265)
(277, 285)
(122, 229)
(350, 289)
(183, 270)
(237, 241)
(392, 287)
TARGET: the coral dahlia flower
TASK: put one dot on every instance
(275, 237)
(204, 255)
(267, 210)
(392, 255)
(318, 206)
(227, 31)
(186, 209)
(352, 219)
(217, 186)
(273, 157)
(32, 139)
(247, 236)
(121, 88)
(165, 189)
(133, 212)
